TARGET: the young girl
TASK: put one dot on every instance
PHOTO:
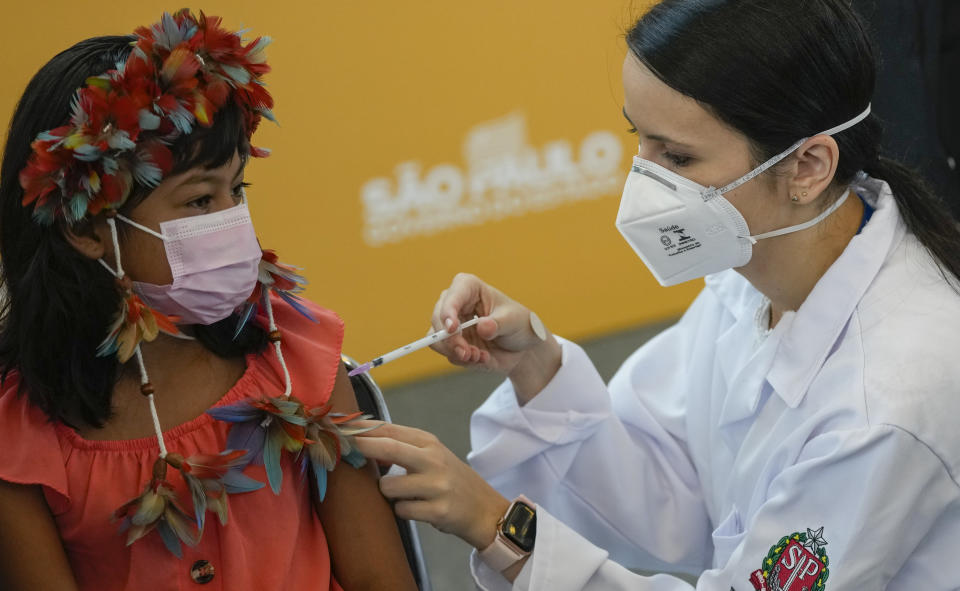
(170, 409)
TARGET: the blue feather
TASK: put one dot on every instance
(148, 120)
(121, 141)
(269, 115)
(239, 75)
(86, 153)
(110, 165)
(78, 206)
(250, 436)
(294, 301)
(170, 539)
(320, 473)
(146, 172)
(249, 309)
(199, 498)
(355, 458)
(235, 413)
(44, 217)
(107, 347)
(271, 458)
(235, 481)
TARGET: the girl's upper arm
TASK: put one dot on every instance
(31, 553)
(365, 546)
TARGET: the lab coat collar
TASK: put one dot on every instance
(807, 336)
(824, 315)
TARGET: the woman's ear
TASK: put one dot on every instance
(88, 237)
(815, 166)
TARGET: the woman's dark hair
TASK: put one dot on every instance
(58, 303)
(778, 71)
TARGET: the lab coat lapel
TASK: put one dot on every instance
(821, 319)
(745, 389)
(742, 358)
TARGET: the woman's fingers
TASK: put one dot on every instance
(463, 298)
(390, 451)
(430, 512)
(414, 486)
(397, 444)
(411, 435)
(438, 487)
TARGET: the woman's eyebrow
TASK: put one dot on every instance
(653, 136)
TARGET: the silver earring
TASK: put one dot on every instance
(794, 199)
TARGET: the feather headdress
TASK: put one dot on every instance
(180, 72)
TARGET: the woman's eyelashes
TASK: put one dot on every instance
(678, 160)
(674, 158)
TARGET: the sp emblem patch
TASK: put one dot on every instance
(797, 562)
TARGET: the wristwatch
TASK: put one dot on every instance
(516, 533)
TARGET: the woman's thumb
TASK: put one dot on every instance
(488, 328)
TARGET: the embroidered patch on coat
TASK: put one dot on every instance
(797, 562)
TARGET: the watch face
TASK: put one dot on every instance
(520, 526)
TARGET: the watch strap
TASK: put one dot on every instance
(501, 554)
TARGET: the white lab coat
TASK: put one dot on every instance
(716, 439)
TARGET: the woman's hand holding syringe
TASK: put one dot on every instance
(508, 338)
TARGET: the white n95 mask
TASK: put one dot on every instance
(683, 230)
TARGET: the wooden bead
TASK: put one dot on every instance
(274, 336)
(146, 389)
(160, 469)
(110, 213)
(175, 460)
(125, 283)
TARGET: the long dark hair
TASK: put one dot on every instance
(59, 303)
(779, 71)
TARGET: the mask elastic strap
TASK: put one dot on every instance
(769, 163)
(127, 220)
(108, 268)
(834, 207)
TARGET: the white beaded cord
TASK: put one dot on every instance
(116, 246)
(144, 378)
(276, 345)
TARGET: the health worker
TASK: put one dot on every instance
(797, 428)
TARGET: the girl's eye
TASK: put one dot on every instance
(201, 202)
(238, 190)
(677, 160)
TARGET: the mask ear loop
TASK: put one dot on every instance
(833, 207)
(146, 388)
(773, 161)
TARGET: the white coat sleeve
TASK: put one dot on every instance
(611, 463)
(875, 505)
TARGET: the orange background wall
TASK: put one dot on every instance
(422, 138)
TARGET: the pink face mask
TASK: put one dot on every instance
(215, 262)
